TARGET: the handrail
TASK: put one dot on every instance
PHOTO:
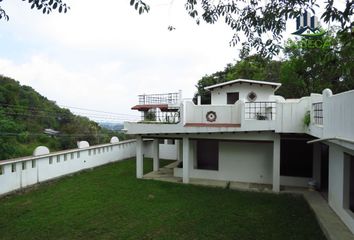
(166, 98)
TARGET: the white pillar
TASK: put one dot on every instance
(276, 163)
(199, 100)
(139, 157)
(155, 154)
(185, 160)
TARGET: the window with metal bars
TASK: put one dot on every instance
(318, 113)
(260, 110)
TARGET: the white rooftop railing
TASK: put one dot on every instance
(165, 98)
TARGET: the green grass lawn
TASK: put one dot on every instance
(110, 203)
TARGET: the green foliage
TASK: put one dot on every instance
(303, 70)
(307, 119)
(255, 20)
(308, 70)
(24, 114)
(45, 6)
(150, 116)
(110, 203)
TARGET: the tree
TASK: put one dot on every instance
(310, 69)
(306, 69)
(254, 19)
(25, 114)
(251, 21)
(46, 6)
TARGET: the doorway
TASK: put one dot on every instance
(324, 170)
(208, 154)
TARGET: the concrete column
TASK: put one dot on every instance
(155, 154)
(276, 163)
(139, 157)
(199, 100)
(186, 160)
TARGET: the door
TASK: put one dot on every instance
(208, 154)
(324, 170)
(351, 183)
(232, 97)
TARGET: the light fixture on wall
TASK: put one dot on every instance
(252, 96)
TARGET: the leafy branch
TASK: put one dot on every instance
(46, 6)
(261, 24)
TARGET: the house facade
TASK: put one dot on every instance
(250, 135)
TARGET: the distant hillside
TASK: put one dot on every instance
(112, 126)
(25, 114)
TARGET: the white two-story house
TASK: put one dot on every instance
(250, 135)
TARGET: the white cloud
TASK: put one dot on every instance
(103, 55)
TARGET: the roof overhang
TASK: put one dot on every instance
(147, 107)
(240, 81)
(331, 138)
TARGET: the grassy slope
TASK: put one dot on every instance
(110, 203)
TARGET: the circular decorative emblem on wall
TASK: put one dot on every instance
(211, 116)
(252, 96)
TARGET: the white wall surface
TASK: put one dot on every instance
(225, 114)
(336, 184)
(338, 115)
(241, 161)
(238, 162)
(291, 115)
(219, 95)
(166, 151)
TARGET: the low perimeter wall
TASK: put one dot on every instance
(22, 172)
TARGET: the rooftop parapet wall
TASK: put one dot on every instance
(225, 114)
(319, 115)
(338, 115)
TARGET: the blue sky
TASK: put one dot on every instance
(101, 56)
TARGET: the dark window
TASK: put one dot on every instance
(295, 158)
(161, 141)
(232, 97)
(171, 141)
(351, 183)
(208, 154)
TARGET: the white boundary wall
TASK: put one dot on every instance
(22, 172)
(166, 151)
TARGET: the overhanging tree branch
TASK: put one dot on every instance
(46, 6)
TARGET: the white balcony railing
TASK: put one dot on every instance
(167, 98)
(260, 110)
